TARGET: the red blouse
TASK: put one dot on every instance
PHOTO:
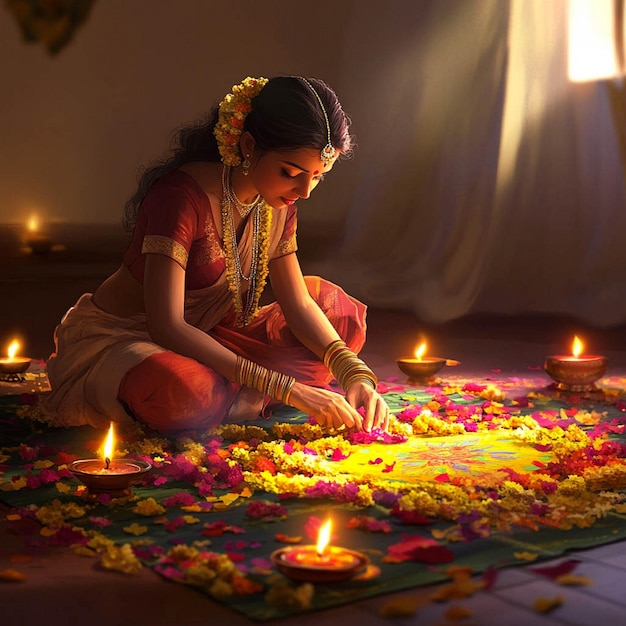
(175, 219)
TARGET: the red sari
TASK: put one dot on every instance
(107, 368)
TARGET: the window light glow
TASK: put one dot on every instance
(591, 40)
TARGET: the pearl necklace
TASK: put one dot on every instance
(230, 244)
(243, 208)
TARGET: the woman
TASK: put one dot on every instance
(176, 338)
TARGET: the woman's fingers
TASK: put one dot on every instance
(331, 409)
(340, 413)
(348, 416)
(376, 415)
(375, 408)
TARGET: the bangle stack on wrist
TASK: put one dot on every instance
(346, 366)
(269, 382)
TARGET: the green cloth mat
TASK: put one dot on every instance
(29, 448)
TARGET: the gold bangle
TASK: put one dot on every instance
(331, 348)
(269, 382)
(347, 367)
(291, 381)
(361, 378)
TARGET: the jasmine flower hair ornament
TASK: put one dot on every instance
(233, 110)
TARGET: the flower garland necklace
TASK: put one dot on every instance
(262, 221)
(233, 110)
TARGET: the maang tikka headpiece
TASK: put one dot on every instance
(328, 152)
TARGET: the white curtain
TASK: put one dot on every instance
(487, 182)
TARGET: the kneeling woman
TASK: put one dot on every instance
(175, 338)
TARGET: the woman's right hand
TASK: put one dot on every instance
(329, 409)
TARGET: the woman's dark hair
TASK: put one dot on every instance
(285, 115)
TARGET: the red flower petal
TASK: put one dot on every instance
(554, 571)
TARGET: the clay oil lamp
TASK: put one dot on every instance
(35, 238)
(320, 563)
(108, 475)
(13, 366)
(578, 371)
(422, 369)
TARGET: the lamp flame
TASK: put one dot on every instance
(323, 537)
(420, 351)
(577, 347)
(14, 346)
(33, 224)
(109, 447)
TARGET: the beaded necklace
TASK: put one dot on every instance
(260, 245)
(243, 208)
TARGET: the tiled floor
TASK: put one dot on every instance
(65, 589)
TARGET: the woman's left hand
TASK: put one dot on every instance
(361, 394)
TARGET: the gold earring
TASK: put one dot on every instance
(246, 165)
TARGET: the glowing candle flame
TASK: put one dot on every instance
(323, 537)
(420, 351)
(14, 346)
(109, 446)
(33, 224)
(577, 347)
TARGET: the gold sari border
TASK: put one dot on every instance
(158, 244)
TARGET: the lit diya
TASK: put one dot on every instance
(320, 563)
(106, 475)
(421, 369)
(577, 372)
(38, 241)
(12, 366)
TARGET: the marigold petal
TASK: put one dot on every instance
(11, 576)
